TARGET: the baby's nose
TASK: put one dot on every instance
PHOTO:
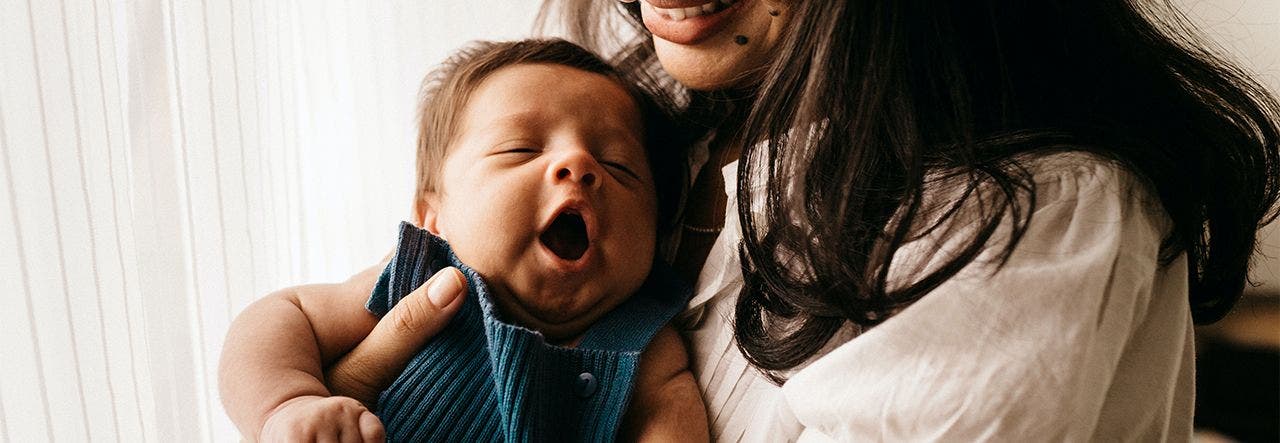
(578, 167)
(587, 178)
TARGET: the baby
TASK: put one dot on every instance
(534, 181)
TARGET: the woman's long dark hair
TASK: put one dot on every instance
(867, 100)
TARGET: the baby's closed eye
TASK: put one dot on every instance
(623, 167)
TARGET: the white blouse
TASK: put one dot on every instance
(1081, 336)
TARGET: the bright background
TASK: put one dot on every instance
(165, 162)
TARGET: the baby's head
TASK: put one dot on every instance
(532, 164)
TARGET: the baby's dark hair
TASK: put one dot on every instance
(446, 90)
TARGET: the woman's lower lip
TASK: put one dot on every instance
(690, 30)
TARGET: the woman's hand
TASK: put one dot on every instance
(374, 363)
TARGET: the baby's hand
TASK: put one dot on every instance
(314, 418)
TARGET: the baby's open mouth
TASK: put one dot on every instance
(566, 237)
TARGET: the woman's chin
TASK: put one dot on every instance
(705, 83)
(708, 69)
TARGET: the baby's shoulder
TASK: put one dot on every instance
(666, 354)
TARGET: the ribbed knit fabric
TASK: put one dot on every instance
(481, 379)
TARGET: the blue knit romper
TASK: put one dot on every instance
(482, 379)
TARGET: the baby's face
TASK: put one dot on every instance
(546, 192)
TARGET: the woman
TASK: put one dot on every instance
(915, 220)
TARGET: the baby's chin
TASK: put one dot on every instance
(560, 319)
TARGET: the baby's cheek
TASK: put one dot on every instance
(466, 236)
(636, 258)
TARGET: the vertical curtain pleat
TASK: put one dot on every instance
(92, 148)
(162, 251)
(194, 136)
(44, 208)
(22, 390)
(117, 319)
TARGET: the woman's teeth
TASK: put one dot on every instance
(679, 14)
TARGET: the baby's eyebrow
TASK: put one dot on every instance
(521, 119)
(532, 119)
(504, 125)
(624, 134)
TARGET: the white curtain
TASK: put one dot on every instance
(165, 162)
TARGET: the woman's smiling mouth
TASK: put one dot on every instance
(689, 24)
(679, 14)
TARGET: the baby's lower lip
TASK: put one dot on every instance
(567, 266)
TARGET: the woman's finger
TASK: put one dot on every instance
(375, 362)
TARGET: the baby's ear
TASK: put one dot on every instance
(426, 214)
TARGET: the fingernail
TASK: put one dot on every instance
(444, 288)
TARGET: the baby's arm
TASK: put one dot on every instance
(276, 350)
(666, 405)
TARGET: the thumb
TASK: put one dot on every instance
(379, 358)
(421, 314)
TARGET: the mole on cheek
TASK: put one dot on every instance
(741, 39)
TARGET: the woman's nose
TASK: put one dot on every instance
(578, 167)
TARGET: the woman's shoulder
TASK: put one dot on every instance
(1075, 175)
(1090, 186)
(1069, 186)
(1081, 210)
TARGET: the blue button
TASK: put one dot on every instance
(586, 384)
